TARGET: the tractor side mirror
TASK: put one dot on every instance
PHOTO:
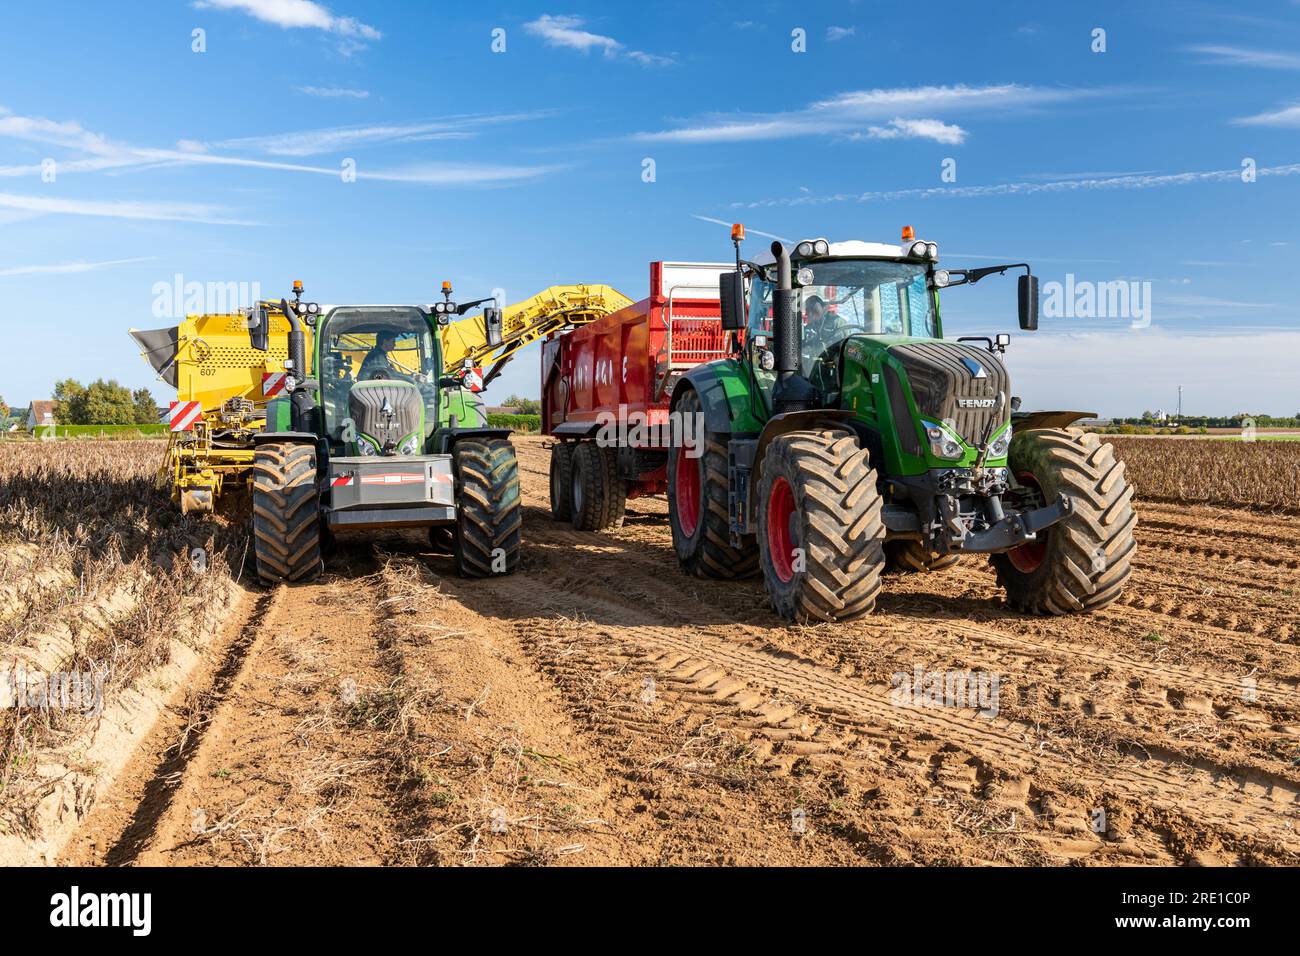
(1027, 294)
(492, 325)
(731, 298)
(259, 329)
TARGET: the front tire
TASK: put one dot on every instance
(906, 556)
(820, 531)
(698, 509)
(1082, 562)
(489, 519)
(286, 513)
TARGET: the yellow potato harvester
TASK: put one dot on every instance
(210, 361)
(223, 383)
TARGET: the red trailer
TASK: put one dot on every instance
(606, 389)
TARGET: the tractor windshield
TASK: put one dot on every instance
(375, 343)
(837, 298)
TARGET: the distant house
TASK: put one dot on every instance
(41, 413)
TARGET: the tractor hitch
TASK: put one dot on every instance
(1013, 530)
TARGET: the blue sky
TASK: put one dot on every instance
(524, 168)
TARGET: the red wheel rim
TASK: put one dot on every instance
(686, 486)
(780, 543)
(1029, 557)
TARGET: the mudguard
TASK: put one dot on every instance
(1024, 421)
(726, 396)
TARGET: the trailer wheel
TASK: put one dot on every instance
(562, 482)
(286, 513)
(1082, 562)
(820, 535)
(906, 556)
(698, 510)
(489, 516)
(599, 495)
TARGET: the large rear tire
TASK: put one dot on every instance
(599, 495)
(1082, 562)
(562, 482)
(698, 509)
(286, 513)
(490, 519)
(820, 531)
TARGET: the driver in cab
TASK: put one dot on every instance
(377, 364)
(821, 327)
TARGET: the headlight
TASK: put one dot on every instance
(804, 249)
(805, 276)
(998, 449)
(410, 447)
(917, 250)
(943, 444)
(366, 446)
(821, 248)
(931, 251)
(941, 278)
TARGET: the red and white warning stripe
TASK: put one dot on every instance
(474, 379)
(273, 383)
(183, 415)
(341, 481)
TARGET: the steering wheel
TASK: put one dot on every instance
(378, 374)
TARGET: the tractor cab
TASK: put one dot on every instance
(380, 368)
(841, 290)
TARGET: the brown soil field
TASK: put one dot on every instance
(598, 707)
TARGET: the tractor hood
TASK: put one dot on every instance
(967, 387)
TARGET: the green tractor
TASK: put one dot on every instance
(845, 436)
(374, 434)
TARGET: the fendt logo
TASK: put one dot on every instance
(976, 402)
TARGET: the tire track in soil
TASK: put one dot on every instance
(275, 761)
(1245, 803)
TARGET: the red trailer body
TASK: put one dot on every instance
(622, 368)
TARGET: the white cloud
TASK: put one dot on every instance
(835, 34)
(1242, 56)
(317, 141)
(748, 229)
(69, 268)
(566, 31)
(933, 129)
(296, 14)
(1288, 117)
(333, 92)
(110, 157)
(1028, 188)
(121, 209)
(851, 112)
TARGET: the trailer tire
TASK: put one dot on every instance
(908, 556)
(286, 513)
(1084, 560)
(821, 533)
(489, 517)
(561, 480)
(599, 495)
(698, 509)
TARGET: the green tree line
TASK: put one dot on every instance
(102, 403)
